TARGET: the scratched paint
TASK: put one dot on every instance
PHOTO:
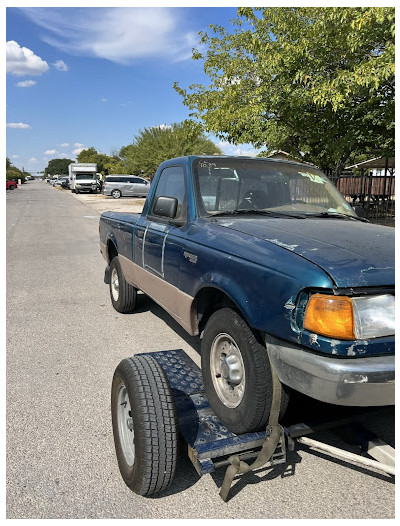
(283, 245)
(290, 304)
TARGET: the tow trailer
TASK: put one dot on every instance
(158, 403)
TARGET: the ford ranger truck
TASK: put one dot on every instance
(268, 263)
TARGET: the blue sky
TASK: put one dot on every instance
(95, 76)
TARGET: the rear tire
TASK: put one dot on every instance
(237, 373)
(144, 425)
(123, 295)
(116, 194)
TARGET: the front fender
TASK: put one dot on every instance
(264, 297)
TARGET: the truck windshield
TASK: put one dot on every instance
(85, 176)
(232, 184)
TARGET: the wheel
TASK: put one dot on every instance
(116, 194)
(237, 373)
(11, 187)
(144, 425)
(123, 295)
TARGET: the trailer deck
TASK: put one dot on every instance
(210, 445)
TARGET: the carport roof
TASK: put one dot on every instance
(378, 162)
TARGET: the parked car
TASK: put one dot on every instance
(119, 185)
(64, 182)
(11, 185)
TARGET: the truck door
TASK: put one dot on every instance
(159, 245)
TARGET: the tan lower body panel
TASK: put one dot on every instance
(174, 301)
(104, 251)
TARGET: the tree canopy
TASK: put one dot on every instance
(154, 145)
(316, 82)
(57, 167)
(106, 164)
(12, 172)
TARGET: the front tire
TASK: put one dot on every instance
(144, 425)
(123, 295)
(237, 373)
(116, 194)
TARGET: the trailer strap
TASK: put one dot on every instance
(274, 432)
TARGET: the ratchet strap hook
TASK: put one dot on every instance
(274, 434)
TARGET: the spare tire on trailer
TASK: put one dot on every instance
(144, 424)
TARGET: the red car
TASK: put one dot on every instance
(11, 185)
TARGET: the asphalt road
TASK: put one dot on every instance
(64, 341)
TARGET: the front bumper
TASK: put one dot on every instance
(361, 381)
(86, 188)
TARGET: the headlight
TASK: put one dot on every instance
(347, 318)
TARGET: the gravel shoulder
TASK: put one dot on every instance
(102, 203)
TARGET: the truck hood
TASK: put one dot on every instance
(354, 254)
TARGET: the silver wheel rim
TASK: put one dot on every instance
(227, 370)
(114, 284)
(125, 426)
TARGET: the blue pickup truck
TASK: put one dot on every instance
(271, 267)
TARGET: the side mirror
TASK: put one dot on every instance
(166, 207)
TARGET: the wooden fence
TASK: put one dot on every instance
(374, 193)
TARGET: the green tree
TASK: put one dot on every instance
(317, 82)
(154, 145)
(105, 164)
(12, 172)
(57, 167)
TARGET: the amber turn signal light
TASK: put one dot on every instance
(330, 316)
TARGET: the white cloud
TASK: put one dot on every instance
(118, 34)
(22, 61)
(103, 100)
(79, 145)
(50, 152)
(77, 151)
(26, 83)
(60, 65)
(18, 125)
(32, 160)
(64, 145)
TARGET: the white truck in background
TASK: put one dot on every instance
(83, 177)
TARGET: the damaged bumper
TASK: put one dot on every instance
(363, 381)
